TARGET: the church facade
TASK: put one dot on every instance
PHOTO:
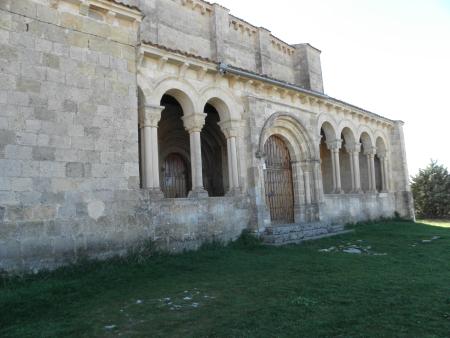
(176, 122)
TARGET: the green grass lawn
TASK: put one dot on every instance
(398, 287)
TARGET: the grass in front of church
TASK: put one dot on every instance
(399, 286)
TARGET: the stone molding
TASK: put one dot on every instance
(111, 8)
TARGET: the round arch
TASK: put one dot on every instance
(365, 134)
(182, 91)
(381, 141)
(329, 126)
(225, 104)
(348, 130)
(292, 131)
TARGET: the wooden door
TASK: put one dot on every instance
(278, 181)
(175, 174)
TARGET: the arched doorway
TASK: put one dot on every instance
(175, 182)
(278, 181)
(214, 154)
(174, 151)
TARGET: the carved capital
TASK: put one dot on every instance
(353, 147)
(370, 151)
(306, 166)
(382, 155)
(230, 128)
(194, 122)
(334, 145)
(150, 116)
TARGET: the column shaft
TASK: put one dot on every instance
(307, 180)
(337, 171)
(148, 156)
(230, 170)
(196, 161)
(357, 172)
(150, 116)
(333, 168)
(234, 163)
(352, 170)
(371, 170)
(374, 181)
(155, 158)
(384, 174)
(318, 185)
(387, 176)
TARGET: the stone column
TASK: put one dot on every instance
(307, 181)
(370, 154)
(318, 184)
(194, 123)
(231, 131)
(353, 151)
(384, 172)
(334, 147)
(149, 119)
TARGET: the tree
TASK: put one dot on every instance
(431, 190)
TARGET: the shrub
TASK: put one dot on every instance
(431, 190)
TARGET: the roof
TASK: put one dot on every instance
(118, 2)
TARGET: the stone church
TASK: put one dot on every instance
(176, 122)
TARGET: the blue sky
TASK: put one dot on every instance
(390, 57)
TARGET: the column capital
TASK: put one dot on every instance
(194, 122)
(353, 147)
(150, 116)
(382, 154)
(370, 151)
(306, 166)
(231, 128)
(334, 145)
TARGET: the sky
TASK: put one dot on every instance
(391, 57)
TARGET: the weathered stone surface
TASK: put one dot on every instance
(43, 154)
(72, 87)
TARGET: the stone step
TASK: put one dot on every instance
(297, 233)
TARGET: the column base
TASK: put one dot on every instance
(155, 193)
(234, 192)
(339, 192)
(358, 191)
(198, 193)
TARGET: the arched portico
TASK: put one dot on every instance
(212, 120)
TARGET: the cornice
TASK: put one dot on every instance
(250, 80)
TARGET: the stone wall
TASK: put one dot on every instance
(70, 74)
(208, 30)
(352, 208)
(69, 166)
